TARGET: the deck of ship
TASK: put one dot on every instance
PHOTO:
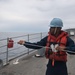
(32, 65)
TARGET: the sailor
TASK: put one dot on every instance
(56, 43)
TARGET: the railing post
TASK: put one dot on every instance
(7, 61)
(28, 41)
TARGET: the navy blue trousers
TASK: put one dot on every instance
(59, 68)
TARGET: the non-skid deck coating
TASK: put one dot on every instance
(34, 66)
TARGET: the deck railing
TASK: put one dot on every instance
(7, 54)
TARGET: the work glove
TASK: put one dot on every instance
(59, 48)
(21, 42)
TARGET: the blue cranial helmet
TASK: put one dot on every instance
(56, 22)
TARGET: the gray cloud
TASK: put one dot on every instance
(35, 13)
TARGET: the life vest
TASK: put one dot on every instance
(61, 40)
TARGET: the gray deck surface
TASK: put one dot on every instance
(34, 66)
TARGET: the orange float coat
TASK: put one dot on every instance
(61, 40)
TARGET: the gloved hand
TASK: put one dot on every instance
(59, 48)
(21, 42)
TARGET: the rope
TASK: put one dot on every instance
(41, 47)
(49, 47)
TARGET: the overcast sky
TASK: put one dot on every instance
(35, 15)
